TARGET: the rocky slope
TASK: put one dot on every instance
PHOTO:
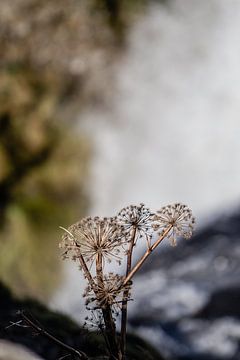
(189, 295)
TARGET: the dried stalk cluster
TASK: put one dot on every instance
(95, 241)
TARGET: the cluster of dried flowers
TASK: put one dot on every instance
(93, 242)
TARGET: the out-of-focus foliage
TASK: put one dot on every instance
(42, 179)
(119, 13)
(71, 38)
(54, 57)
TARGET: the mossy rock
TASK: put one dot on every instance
(43, 176)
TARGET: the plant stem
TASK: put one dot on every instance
(125, 296)
(35, 326)
(111, 333)
(86, 270)
(107, 315)
(145, 256)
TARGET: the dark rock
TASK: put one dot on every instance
(224, 302)
(63, 328)
(187, 298)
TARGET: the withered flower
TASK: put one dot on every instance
(108, 291)
(93, 236)
(136, 218)
(178, 216)
(95, 320)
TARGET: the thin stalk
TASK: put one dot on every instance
(106, 340)
(107, 315)
(40, 330)
(145, 256)
(125, 295)
(86, 270)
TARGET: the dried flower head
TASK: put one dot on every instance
(94, 320)
(93, 236)
(179, 217)
(136, 218)
(108, 291)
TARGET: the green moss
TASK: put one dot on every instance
(42, 182)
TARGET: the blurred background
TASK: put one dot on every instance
(104, 103)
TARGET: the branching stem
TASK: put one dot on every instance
(147, 253)
(86, 271)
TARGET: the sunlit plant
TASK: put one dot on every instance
(93, 242)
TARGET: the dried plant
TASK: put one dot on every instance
(181, 219)
(94, 236)
(94, 241)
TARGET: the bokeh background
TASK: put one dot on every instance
(104, 103)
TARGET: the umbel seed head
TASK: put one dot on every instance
(91, 237)
(109, 291)
(179, 217)
(138, 219)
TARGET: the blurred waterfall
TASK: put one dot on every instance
(170, 129)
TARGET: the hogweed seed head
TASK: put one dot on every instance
(108, 292)
(137, 217)
(93, 236)
(179, 216)
(94, 320)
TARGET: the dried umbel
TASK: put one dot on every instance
(136, 218)
(95, 241)
(93, 236)
(180, 219)
(108, 291)
(94, 320)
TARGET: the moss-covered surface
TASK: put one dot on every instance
(43, 175)
(63, 328)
